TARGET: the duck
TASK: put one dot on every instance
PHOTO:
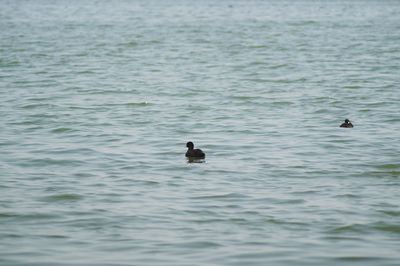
(347, 123)
(194, 153)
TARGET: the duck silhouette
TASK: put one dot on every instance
(347, 124)
(194, 153)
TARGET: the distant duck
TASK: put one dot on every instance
(194, 153)
(347, 123)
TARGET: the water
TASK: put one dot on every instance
(98, 99)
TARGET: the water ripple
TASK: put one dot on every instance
(98, 99)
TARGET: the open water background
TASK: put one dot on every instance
(98, 98)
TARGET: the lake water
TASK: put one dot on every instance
(98, 99)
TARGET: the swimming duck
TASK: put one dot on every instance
(194, 153)
(346, 123)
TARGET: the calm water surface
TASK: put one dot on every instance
(98, 99)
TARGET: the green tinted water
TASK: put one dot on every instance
(98, 99)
